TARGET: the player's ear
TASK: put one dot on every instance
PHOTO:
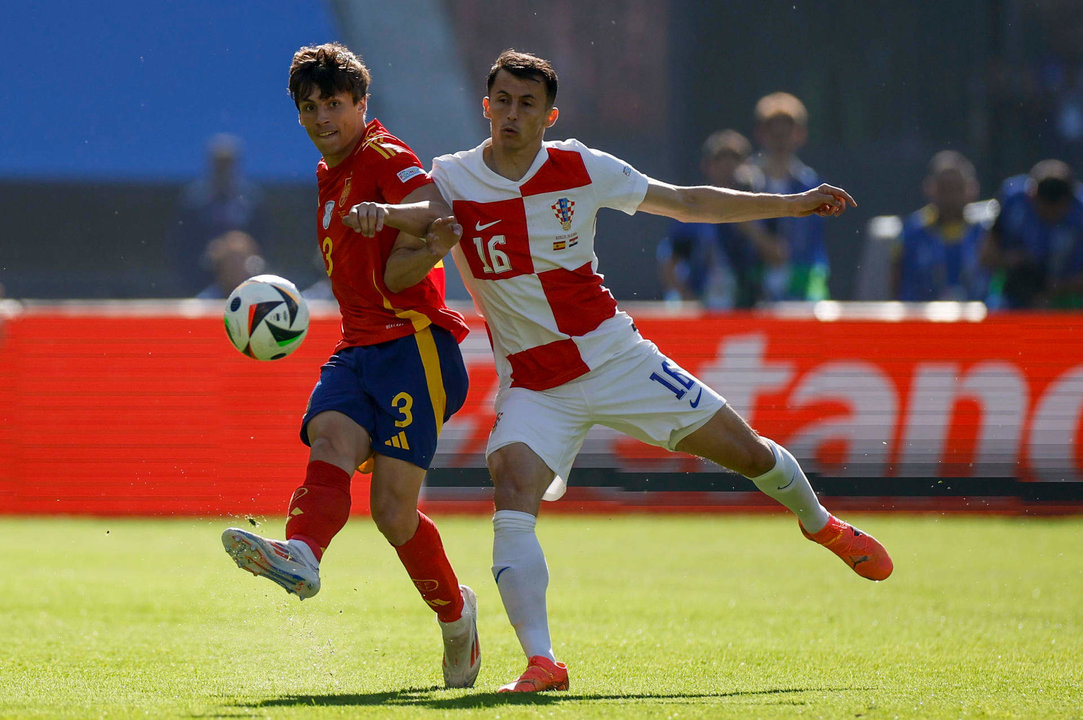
(552, 118)
(363, 106)
(485, 107)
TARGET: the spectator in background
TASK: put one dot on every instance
(232, 258)
(936, 255)
(794, 264)
(710, 263)
(1035, 246)
(210, 207)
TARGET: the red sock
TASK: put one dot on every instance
(424, 559)
(320, 507)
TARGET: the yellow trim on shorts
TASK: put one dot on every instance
(434, 377)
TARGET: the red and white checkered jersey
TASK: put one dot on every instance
(527, 257)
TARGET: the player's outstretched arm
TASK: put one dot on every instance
(413, 215)
(412, 257)
(704, 203)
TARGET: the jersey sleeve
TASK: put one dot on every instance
(617, 184)
(400, 172)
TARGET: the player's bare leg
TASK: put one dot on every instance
(728, 440)
(520, 478)
(393, 498)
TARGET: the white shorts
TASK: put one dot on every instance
(641, 393)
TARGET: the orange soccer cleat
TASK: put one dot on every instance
(541, 674)
(860, 551)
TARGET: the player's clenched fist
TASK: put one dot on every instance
(443, 234)
(366, 218)
(826, 200)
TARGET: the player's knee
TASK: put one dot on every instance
(341, 443)
(395, 521)
(517, 485)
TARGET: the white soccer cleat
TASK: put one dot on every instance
(462, 651)
(291, 564)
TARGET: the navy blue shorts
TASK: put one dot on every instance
(401, 391)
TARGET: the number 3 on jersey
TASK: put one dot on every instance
(327, 246)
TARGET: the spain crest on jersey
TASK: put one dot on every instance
(564, 209)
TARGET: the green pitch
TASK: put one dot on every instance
(657, 617)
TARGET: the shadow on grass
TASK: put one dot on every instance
(433, 697)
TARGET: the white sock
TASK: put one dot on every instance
(522, 578)
(786, 482)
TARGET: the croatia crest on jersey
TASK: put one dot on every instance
(564, 209)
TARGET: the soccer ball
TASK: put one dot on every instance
(266, 317)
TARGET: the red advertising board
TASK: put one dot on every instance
(147, 409)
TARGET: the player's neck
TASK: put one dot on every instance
(509, 163)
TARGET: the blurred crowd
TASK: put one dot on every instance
(1026, 252)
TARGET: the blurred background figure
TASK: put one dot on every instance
(232, 258)
(1035, 246)
(795, 263)
(710, 263)
(936, 256)
(209, 207)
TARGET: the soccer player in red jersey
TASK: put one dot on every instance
(569, 358)
(395, 376)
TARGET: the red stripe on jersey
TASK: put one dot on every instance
(546, 366)
(577, 298)
(495, 240)
(563, 171)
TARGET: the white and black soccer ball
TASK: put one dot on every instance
(266, 317)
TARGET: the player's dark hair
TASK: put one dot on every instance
(525, 65)
(331, 67)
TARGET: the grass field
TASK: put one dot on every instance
(657, 617)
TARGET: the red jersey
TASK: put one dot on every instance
(381, 168)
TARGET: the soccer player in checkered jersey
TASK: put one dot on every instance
(395, 376)
(568, 358)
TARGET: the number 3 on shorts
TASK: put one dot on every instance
(403, 402)
(675, 380)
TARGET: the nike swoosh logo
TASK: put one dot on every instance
(479, 227)
(695, 403)
(498, 574)
(792, 478)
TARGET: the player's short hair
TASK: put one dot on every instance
(331, 67)
(726, 141)
(1053, 181)
(952, 160)
(525, 65)
(781, 104)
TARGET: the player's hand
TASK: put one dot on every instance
(443, 234)
(825, 201)
(366, 218)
